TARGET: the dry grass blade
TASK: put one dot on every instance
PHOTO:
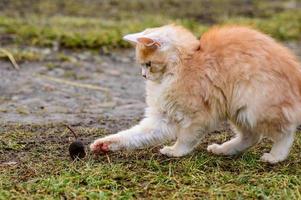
(108, 158)
(75, 84)
(72, 131)
(11, 58)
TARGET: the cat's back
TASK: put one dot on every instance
(220, 37)
(243, 46)
(233, 40)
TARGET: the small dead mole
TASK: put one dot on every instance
(76, 148)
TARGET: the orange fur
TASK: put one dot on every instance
(232, 73)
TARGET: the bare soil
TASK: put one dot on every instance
(87, 89)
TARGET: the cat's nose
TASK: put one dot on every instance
(144, 75)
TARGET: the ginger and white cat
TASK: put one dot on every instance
(232, 73)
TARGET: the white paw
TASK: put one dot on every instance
(270, 158)
(171, 152)
(215, 148)
(104, 145)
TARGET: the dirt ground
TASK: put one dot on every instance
(86, 89)
(93, 92)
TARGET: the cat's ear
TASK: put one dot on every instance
(148, 42)
(142, 39)
(133, 38)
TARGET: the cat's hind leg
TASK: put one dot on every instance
(280, 149)
(187, 140)
(243, 140)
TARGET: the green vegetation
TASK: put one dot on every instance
(283, 26)
(205, 11)
(79, 32)
(102, 24)
(71, 32)
(23, 55)
(44, 170)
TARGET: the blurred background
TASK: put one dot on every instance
(98, 23)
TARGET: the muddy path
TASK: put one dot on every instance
(76, 87)
(85, 89)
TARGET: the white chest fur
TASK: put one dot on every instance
(162, 102)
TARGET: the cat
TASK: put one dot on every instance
(233, 73)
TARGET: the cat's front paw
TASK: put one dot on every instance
(172, 152)
(104, 145)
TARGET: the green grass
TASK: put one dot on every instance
(283, 26)
(83, 32)
(45, 171)
(203, 10)
(72, 32)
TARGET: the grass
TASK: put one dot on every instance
(203, 10)
(93, 33)
(23, 55)
(283, 26)
(77, 32)
(43, 170)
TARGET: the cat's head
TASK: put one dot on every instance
(158, 50)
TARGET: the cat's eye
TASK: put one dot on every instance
(147, 64)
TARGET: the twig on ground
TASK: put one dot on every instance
(72, 131)
(11, 58)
